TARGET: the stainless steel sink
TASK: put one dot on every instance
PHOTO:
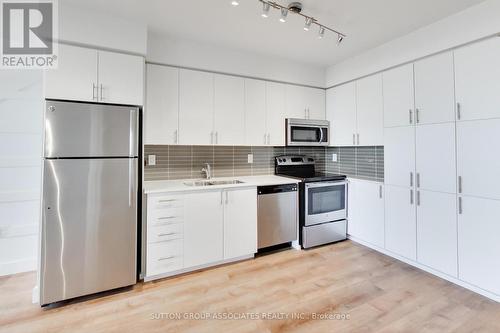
(213, 182)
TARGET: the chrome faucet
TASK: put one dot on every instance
(207, 170)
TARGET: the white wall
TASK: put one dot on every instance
(21, 109)
(171, 51)
(94, 28)
(471, 24)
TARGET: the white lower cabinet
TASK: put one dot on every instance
(366, 211)
(190, 230)
(437, 231)
(478, 245)
(400, 224)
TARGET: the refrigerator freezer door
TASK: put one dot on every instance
(88, 227)
(89, 130)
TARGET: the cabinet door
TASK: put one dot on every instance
(121, 78)
(75, 77)
(162, 105)
(229, 110)
(203, 228)
(366, 211)
(240, 222)
(477, 73)
(341, 112)
(400, 221)
(478, 245)
(399, 156)
(296, 102)
(437, 231)
(398, 96)
(370, 113)
(315, 102)
(477, 160)
(436, 162)
(275, 100)
(196, 107)
(255, 112)
(434, 89)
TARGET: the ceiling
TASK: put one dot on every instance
(367, 23)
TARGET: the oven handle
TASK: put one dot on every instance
(325, 184)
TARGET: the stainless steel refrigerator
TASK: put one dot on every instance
(89, 199)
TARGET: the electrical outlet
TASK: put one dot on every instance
(250, 158)
(151, 159)
(334, 157)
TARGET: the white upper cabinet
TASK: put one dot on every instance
(255, 112)
(75, 77)
(276, 113)
(369, 110)
(316, 99)
(196, 108)
(477, 160)
(162, 105)
(436, 160)
(477, 73)
(366, 211)
(434, 90)
(229, 114)
(240, 222)
(478, 245)
(305, 102)
(121, 78)
(341, 112)
(399, 156)
(437, 231)
(398, 96)
(400, 221)
(203, 228)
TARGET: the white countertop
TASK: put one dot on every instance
(159, 186)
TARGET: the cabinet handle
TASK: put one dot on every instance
(459, 184)
(166, 258)
(308, 113)
(268, 138)
(216, 137)
(353, 139)
(418, 198)
(411, 116)
(102, 93)
(166, 218)
(166, 200)
(380, 191)
(94, 89)
(417, 114)
(305, 113)
(227, 198)
(458, 111)
(411, 197)
(221, 198)
(460, 209)
(166, 234)
(176, 136)
(357, 136)
(411, 179)
(418, 179)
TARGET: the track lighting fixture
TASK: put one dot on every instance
(284, 13)
(308, 23)
(265, 9)
(235, 3)
(295, 8)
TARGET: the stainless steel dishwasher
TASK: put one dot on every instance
(277, 214)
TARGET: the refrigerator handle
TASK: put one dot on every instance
(131, 181)
(133, 133)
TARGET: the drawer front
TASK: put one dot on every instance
(165, 233)
(165, 201)
(160, 216)
(164, 257)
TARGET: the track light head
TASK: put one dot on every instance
(284, 13)
(235, 3)
(340, 38)
(321, 32)
(265, 9)
(308, 23)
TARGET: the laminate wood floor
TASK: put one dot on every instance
(343, 287)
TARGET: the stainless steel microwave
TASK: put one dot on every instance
(307, 132)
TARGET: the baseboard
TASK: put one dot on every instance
(18, 266)
(427, 269)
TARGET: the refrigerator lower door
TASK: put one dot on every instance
(89, 228)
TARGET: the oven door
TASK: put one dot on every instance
(307, 135)
(325, 202)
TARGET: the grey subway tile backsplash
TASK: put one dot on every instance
(182, 162)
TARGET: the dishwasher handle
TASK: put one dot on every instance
(271, 189)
